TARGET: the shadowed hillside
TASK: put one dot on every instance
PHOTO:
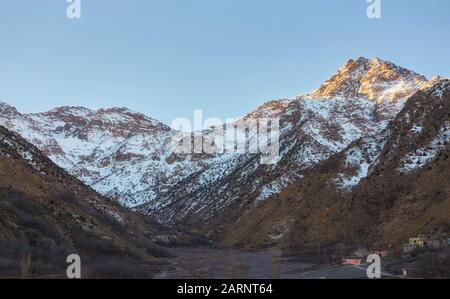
(46, 214)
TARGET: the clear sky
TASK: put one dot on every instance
(166, 58)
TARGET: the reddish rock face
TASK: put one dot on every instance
(375, 79)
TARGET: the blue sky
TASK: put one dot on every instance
(166, 58)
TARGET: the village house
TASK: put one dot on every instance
(408, 248)
(351, 261)
(434, 243)
(420, 241)
(360, 254)
(383, 253)
(415, 243)
(424, 241)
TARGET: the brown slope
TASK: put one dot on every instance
(386, 207)
(408, 191)
(48, 214)
(298, 216)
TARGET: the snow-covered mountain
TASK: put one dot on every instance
(313, 128)
(381, 189)
(374, 79)
(128, 156)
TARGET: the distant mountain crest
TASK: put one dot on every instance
(375, 79)
(7, 110)
(129, 157)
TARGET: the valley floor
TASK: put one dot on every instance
(208, 263)
(213, 263)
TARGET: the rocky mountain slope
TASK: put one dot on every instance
(382, 189)
(375, 79)
(127, 156)
(312, 128)
(46, 214)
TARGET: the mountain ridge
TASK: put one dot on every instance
(378, 192)
(141, 170)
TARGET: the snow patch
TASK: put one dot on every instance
(423, 156)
